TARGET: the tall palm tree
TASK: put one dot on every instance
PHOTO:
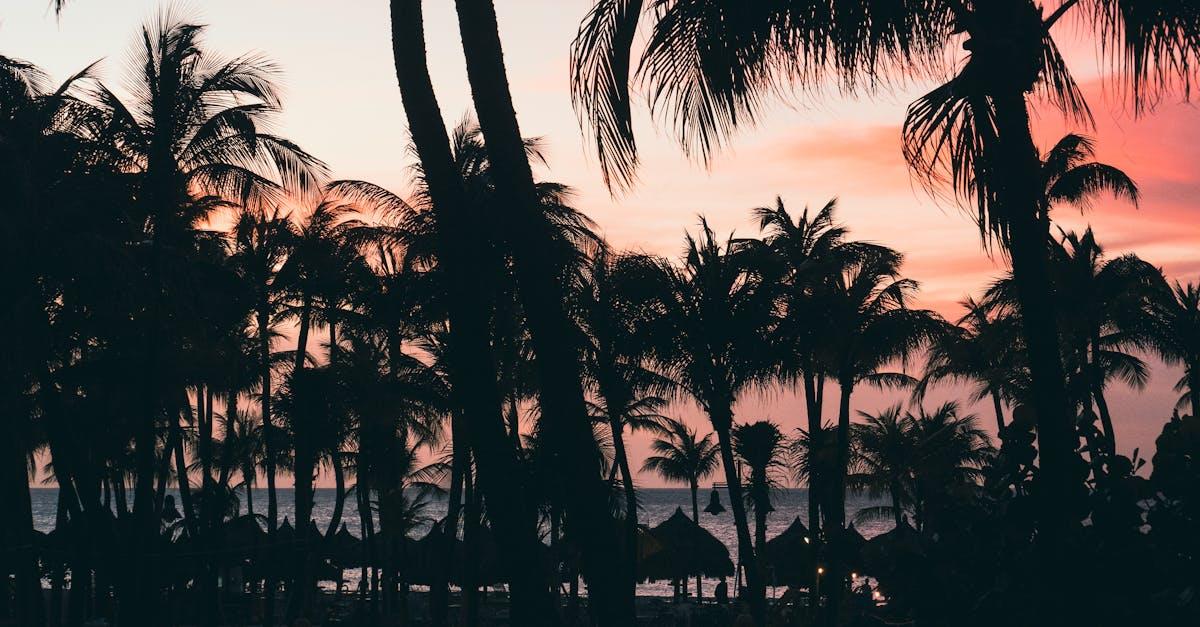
(1174, 332)
(706, 323)
(473, 381)
(710, 65)
(761, 447)
(873, 327)
(627, 394)
(558, 367)
(682, 457)
(979, 348)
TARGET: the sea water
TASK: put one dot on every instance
(656, 505)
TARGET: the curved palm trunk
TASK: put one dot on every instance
(812, 405)
(722, 421)
(473, 379)
(557, 363)
(339, 500)
(1017, 194)
(1097, 385)
(231, 420)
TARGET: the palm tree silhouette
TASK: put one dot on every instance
(872, 328)
(627, 393)
(761, 447)
(979, 349)
(883, 459)
(706, 323)
(679, 456)
(1173, 329)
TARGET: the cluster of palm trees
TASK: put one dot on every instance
(146, 348)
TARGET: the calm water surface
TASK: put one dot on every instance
(656, 506)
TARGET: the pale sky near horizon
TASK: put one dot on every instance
(342, 104)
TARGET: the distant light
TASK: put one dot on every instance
(806, 540)
(820, 570)
(854, 575)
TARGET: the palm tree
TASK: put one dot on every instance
(705, 323)
(543, 297)
(1174, 333)
(627, 394)
(711, 65)
(682, 457)
(951, 453)
(872, 328)
(883, 459)
(473, 381)
(979, 348)
(761, 447)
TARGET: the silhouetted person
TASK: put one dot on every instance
(721, 593)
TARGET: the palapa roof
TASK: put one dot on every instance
(788, 557)
(687, 549)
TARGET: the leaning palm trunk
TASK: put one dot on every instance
(694, 485)
(722, 421)
(558, 368)
(339, 492)
(472, 377)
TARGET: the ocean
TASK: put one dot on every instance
(657, 504)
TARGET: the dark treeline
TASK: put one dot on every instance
(480, 339)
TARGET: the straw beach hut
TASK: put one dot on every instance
(788, 557)
(687, 549)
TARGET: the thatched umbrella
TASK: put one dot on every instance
(788, 557)
(901, 547)
(687, 550)
(850, 545)
(343, 549)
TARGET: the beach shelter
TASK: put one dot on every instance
(788, 557)
(851, 544)
(902, 547)
(687, 549)
(343, 549)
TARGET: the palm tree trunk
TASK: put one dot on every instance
(1019, 162)
(1097, 384)
(16, 534)
(722, 421)
(695, 486)
(835, 520)
(631, 513)
(339, 499)
(181, 474)
(439, 604)
(1193, 375)
(268, 430)
(811, 402)
(302, 333)
(231, 421)
(557, 364)
(473, 379)
(998, 405)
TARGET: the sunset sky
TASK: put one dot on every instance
(342, 104)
